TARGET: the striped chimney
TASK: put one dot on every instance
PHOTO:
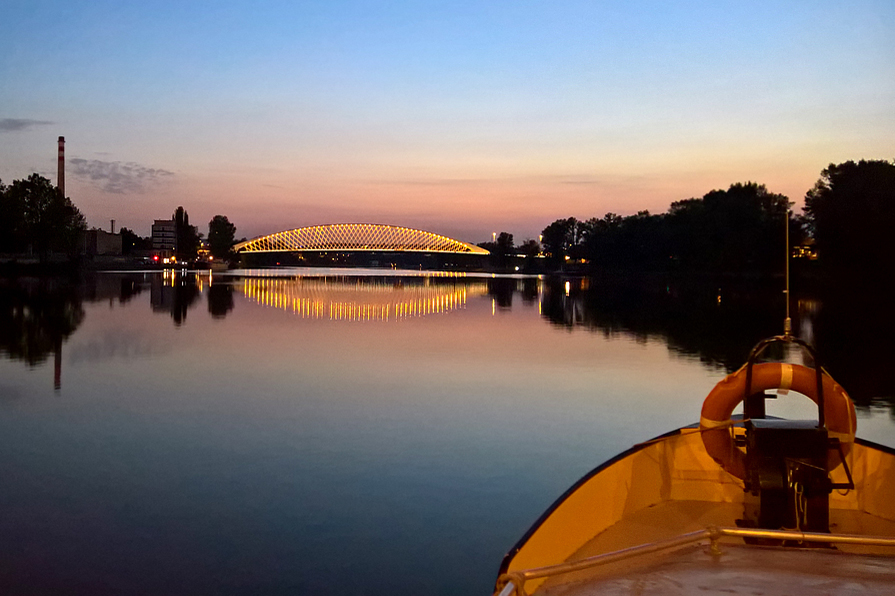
(60, 174)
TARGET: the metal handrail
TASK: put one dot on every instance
(514, 582)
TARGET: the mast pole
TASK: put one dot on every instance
(787, 322)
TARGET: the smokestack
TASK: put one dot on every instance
(60, 174)
(113, 226)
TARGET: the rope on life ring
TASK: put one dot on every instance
(715, 421)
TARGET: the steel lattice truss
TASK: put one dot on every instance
(357, 237)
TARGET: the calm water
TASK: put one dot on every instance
(310, 432)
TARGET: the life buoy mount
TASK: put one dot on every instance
(838, 413)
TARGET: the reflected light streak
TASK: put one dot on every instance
(356, 300)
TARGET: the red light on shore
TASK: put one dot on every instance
(155, 258)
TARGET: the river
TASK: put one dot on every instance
(350, 432)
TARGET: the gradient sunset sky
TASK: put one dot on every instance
(462, 118)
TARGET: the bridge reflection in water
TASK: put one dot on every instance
(363, 299)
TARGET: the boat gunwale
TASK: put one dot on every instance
(514, 550)
(714, 534)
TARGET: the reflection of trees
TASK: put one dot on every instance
(185, 294)
(36, 317)
(718, 326)
(220, 300)
(530, 290)
(854, 334)
(130, 288)
(107, 287)
(174, 293)
(855, 339)
(501, 289)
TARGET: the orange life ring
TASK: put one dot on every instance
(714, 422)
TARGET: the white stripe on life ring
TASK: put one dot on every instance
(707, 424)
(785, 379)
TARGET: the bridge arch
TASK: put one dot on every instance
(357, 237)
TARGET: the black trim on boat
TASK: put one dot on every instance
(877, 446)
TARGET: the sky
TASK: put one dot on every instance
(462, 118)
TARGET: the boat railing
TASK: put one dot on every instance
(513, 583)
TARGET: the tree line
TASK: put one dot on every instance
(35, 218)
(733, 230)
(848, 214)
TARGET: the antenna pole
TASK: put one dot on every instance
(787, 322)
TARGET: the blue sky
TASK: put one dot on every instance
(457, 117)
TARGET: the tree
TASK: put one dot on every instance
(530, 248)
(221, 234)
(70, 225)
(12, 222)
(186, 236)
(851, 213)
(36, 214)
(505, 243)
(559, 239)
(501, 249)
(726, 231)
(734, 230)
(600, 240)
(131, 241)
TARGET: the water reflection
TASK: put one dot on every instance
(118, 288)
(362, 298)
(855, 336)
(36, 316)
(719, 325)
(220, 300)
(502, 290)
(207, 436)
(175, 292)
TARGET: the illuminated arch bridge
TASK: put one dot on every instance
(357, 237)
